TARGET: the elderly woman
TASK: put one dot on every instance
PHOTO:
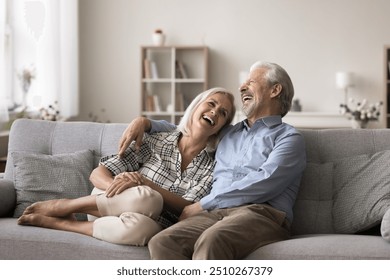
(145, 190)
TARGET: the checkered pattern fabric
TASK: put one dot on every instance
(159, 160)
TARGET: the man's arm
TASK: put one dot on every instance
(135, 132)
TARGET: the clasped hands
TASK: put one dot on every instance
(124, 181)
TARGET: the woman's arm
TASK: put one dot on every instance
(101, 178)
(135, 131)
(172, 202)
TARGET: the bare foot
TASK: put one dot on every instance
(38, 220)
(52, 208)
(33, 220)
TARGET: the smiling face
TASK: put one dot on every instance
(213, 113)
(258, 96)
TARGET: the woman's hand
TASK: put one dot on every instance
(124, 181)
(191, 210)
(134, 131)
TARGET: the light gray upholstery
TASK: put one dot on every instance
(314, 236)
(325, 247)
(33, 243)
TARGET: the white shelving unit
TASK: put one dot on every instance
(165, 90)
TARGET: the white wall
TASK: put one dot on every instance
(311, 39)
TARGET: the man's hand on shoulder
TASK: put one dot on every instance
(134, 131)
(191, 210)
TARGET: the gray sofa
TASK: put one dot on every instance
(338, 213)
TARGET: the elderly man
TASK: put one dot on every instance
(259, 164)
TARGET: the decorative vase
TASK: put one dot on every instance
(356, 124)
(158, 39)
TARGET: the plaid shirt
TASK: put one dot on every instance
(159, 160)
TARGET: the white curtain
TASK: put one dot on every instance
(46, 35)
(3, 96)
(57, 59)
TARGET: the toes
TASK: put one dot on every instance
(23, 220)
(28, 210)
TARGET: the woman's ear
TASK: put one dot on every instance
(276, 90)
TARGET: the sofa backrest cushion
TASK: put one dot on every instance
(37, 148)
(361, 191)
(315, 206)
(41, 177)
(53, 138)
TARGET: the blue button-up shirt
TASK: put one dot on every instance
(259, 164)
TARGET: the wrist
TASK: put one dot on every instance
(146, 124)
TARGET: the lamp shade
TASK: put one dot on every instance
(344, 80)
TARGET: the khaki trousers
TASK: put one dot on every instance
(129, 217)
(230, 233)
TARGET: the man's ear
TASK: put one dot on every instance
(276, 90)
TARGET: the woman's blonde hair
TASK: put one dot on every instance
(185, 122)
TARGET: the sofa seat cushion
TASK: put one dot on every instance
(325, 247)
(39, 177)
(35, 243)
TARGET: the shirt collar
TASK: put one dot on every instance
(268, 121)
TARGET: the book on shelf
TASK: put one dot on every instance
(151, 103)
(148, 102)
(156, 101)
(181, 71)
(177, 70)
(150, 69)
(147, 71)
(179, 106)
(153, 67)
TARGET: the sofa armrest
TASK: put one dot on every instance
(7, 198)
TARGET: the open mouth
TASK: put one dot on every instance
(246, 98)
(209, 120)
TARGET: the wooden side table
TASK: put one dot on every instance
(4, 135)
(3, 161)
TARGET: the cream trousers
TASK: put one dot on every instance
(129, 217)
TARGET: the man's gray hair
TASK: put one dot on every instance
(277, 75)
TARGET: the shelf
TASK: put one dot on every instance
(4, 136)
(171, 76)
(151, 80)
(4, 133)
(156, 113)
(313, 120)
(173, 80)
(189, 80)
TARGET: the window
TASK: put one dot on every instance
(39, 42)
(5, 59)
